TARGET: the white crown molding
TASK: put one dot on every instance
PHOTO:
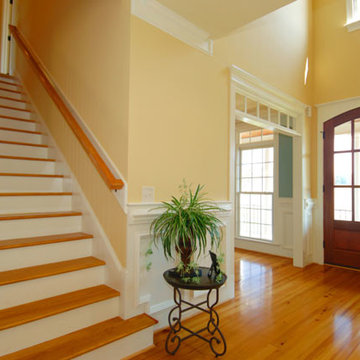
(172, 23)
(265, 91)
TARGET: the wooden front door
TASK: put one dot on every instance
(342, 189)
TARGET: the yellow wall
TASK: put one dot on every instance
(85, 46)
(337, 53)
(179, 97)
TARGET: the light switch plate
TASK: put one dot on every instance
(148, 194)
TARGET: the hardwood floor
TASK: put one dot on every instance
(281, 312)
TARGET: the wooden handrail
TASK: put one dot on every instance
(112, 182)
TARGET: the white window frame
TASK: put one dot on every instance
(353, 15)
(255, 145)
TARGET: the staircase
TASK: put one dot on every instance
(53, 300)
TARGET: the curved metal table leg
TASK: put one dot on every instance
(173, 340)
(213, 327)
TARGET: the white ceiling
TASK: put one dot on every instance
(220, 17)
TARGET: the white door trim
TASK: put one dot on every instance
(243, 82)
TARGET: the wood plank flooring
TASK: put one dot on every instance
(281, 312)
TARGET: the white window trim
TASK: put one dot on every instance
(352, 19)
(257, 145)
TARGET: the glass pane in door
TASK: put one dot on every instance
(357, 204)
(357, 168)
(343, 169)
(357, 134)
(343, 204)
(342, 137)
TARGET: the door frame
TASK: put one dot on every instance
(325, 112)
(241, 80)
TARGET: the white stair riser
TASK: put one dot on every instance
(16, 124)
(42, 254)
(27, 166)
(10, 86)
(122, 348)
(21, 137)
(51, 327)
(29, 183)
(37, 289)
(12, 229)
(14, 103)
(23, 150)
(10, 94)
(25, 204)
(9, 80)
(16, 113)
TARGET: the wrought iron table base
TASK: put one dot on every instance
(212, 326)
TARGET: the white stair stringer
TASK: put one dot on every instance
(32, 190)
(51, 327)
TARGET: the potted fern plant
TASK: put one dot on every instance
(186, 227)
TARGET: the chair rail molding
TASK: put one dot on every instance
(172, 23)
(148, 290)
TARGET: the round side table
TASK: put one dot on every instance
(216, 339)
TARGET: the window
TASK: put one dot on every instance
(248, 107)
(255, 187)
(353, 15)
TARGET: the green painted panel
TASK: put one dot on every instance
(285, 166)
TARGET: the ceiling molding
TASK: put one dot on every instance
(170, 22)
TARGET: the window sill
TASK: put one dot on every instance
(266, 242)
(352, 26)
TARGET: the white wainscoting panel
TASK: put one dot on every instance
(149, 290)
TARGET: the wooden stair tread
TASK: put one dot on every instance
(38, 215)
(22, 143)
(42, 240)
(14, 108)
(40, 271)
(36, 194)
(16, 118)
(25, 158)
(32, 175)
(21, 131)
(83, 341)
(40, 309)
